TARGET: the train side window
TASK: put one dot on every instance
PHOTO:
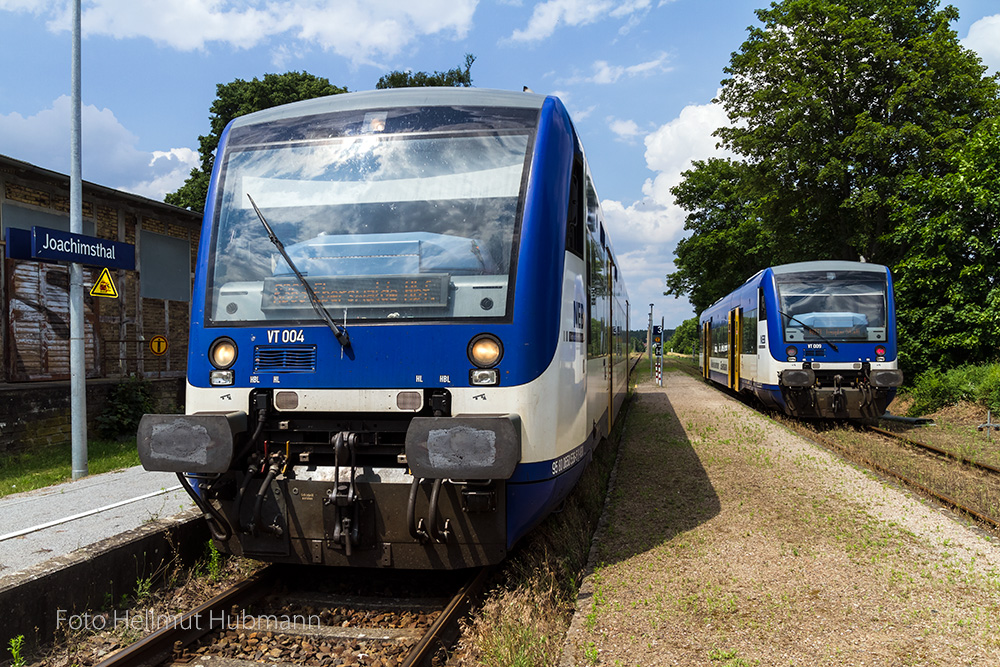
(575, 213)
(593, 206)
(760, 303)
(748, 327)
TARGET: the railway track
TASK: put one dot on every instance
(262, 618)
(908, 481)
(935, 450)
(944, 498)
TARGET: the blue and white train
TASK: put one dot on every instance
(812, 339)
(408, 330)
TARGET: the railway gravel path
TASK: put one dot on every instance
(728, 540)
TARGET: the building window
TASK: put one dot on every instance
(165, 267)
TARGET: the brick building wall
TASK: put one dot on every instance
(34, 318)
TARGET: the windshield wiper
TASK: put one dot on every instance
(818, 334)
(339, 332)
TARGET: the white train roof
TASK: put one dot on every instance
(396, 97)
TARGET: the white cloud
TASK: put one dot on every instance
(670, 150)
(605, 73)
(548, 16)
(624, 129)
(646, 232)
(984, 39)
(109, 152)
(356, 29)
(167, 171)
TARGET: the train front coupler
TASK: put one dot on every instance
(343, 497)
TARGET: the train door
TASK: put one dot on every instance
(735, 345)
(610, 345)
(706, 348)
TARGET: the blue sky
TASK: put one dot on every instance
(637, 75)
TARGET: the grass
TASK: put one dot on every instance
(975, 489)
(524, 618)
(38, 468)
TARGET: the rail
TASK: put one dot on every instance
(175, 641)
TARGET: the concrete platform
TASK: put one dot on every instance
(42, 524)
(71, 547)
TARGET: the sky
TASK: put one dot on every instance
(638, 77)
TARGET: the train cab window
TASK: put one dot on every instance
(575, 212)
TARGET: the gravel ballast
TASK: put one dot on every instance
(728, 540)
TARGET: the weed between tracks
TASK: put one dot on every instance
(89, 637)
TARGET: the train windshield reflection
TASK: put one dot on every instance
(383, 226)
(840, 306)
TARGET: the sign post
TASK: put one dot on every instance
(658, 351)
(77, 358)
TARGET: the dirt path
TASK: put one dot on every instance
(730, 541)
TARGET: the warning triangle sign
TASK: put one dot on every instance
(104, 286)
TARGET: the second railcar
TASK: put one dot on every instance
(811, 339)
(408, 330)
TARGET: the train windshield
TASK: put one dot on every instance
(838, 306)
(388, 215)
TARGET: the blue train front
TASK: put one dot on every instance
(408, 330)
(812, 339)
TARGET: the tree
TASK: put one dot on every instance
(835, 103)
(685, 337)
(862, 128)
(728, 243)
(235, 99)
(948, 280)
(457, 77)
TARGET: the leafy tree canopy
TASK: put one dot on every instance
(835, 102)
(948, 282)
(235, 99)
(728, 243)
(685, 337)
(862, 128)
(458, 77)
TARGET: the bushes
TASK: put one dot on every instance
(127, 403)
(935, 389)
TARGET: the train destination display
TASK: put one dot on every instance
(428, 289)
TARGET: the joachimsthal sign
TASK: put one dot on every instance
(53, 245)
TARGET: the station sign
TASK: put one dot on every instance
(54, 245)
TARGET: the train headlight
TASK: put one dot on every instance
(485, 351)
(222, 354)
(791, 351)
